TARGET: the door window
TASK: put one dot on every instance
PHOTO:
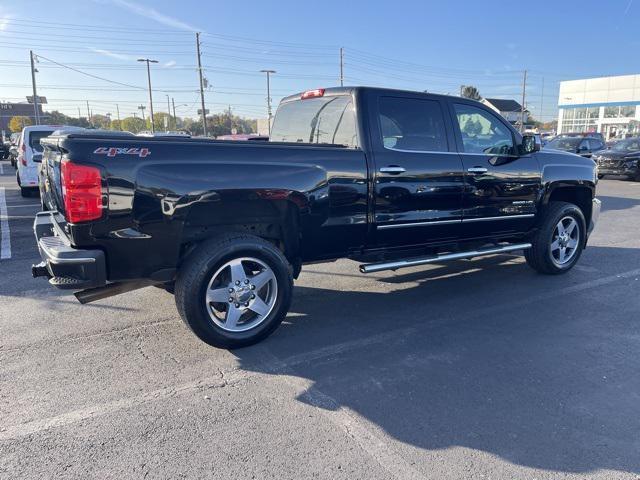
(483, 132)
(412, 124)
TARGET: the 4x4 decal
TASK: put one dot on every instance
(113, 151)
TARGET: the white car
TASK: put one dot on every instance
(30, 155)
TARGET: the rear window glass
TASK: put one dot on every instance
(316, 120)
(35, 137)
(412, 124)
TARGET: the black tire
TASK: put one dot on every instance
(25, 192)
(539, 256)
(197, 271)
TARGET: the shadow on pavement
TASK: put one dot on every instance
(618, 203)
(552, 384)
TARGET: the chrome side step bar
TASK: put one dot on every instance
(412, 262)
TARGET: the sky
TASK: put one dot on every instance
(87, 49)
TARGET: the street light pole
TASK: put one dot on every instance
(268, 72)
(148, 61)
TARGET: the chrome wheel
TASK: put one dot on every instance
(241, 294)
(565, 241)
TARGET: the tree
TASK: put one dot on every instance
(469, 91)
(159, 121)
(115, 125)
(58, 118)
(133, 124)
(17, 123)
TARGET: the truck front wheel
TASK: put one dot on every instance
(234, 290)
(558, 243)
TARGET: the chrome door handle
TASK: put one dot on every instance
(392, 169)
(477, 170)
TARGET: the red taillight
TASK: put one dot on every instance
(81, 192)
(318, 92)
(23, 160)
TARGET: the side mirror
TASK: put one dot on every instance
(529, 144)
(582, 149)
(37, 159)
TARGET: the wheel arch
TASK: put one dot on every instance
(273, 216)
(578, 193)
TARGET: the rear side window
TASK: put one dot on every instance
(316, 120)
(35, 137)
(412, 124)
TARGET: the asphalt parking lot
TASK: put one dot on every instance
(472, 369)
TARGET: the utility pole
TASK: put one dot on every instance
(35, 92)
(118, 113)
(148, 61)
(79, 115)
(268, 72)
(341, 67)
(524, 96)
(175, 119)
(88, 113)
(541, 100)
(169, 113)
(141, 108)
(204, 112)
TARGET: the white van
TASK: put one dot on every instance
(30, 155)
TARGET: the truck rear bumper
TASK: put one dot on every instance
(66, 267)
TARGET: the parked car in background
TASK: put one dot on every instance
(623, 158)
(579, 145)
(30, 155)
(243, 136)
(597, 135)
(4, 150)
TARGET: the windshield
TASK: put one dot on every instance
(316, 120)
(35, 137)
(567, 144)
(628, 145)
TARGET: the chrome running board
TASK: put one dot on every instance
(412, 262)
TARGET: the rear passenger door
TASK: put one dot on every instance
(418, 178)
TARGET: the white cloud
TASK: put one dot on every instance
(169, 64)
(109, 54)
(153, 14)
(4, 22)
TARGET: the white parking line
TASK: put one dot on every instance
(5, 233)
(1, 169)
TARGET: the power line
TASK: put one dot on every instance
(90, 74)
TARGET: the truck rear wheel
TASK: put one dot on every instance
(234, 290)
(558, 243)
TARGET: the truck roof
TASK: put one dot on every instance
(333, 91)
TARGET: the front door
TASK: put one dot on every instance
(418, 179)
(501, 185)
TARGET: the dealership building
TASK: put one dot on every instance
(9, 110)
(609, 105)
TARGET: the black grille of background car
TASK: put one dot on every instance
(607, 162)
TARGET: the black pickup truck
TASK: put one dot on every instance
(389, 178)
